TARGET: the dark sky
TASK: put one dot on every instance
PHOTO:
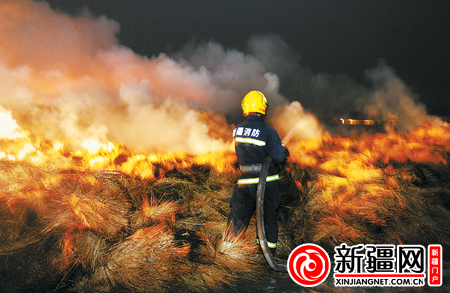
(337, 37)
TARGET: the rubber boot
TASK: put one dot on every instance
(273, 251)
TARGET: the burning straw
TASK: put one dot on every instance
(107, 230)
(111, 229)
(383, 188)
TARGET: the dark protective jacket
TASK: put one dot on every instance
(254, 140)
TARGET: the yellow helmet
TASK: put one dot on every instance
(254, 102)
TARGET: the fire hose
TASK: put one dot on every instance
(260, 218)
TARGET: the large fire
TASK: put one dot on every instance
(334, 190)
(116, 169)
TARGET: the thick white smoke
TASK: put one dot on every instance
(69, 78)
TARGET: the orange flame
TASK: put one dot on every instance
(68, 245)
(348, 165)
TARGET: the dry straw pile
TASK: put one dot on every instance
(155, 224)
(106, 231)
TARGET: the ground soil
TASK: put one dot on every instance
(267, 282)
(270, 281)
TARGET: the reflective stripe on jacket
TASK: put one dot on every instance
(254, 140)
(256, 180)
(250, 140)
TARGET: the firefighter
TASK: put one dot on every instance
(254, 140)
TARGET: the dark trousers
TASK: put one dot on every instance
(243, 204)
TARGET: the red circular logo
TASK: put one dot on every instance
(308, 265)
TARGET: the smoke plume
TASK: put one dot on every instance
(68, 78)
(391, 100)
